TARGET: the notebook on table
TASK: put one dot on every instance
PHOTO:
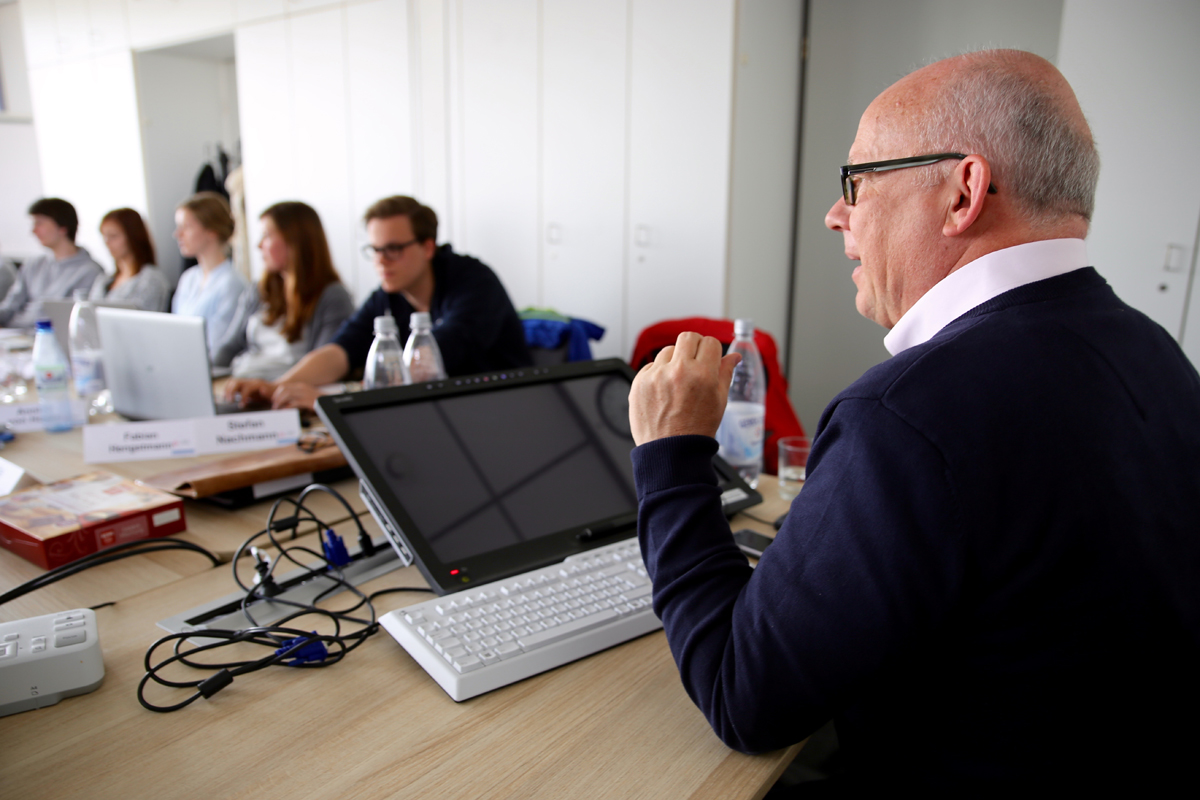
(156, 365)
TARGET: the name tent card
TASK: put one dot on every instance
(177, 438)
(27, 417)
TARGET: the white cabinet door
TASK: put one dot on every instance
(108, 29)
(317, 57)
(584, 81)
(71, 24)
(265, 113)
(680, 106)
(41, 34)
(381, 127)
(1135, 73)
(251, 10)
(159, 22)
(498, 201)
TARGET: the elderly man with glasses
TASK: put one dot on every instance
(991, 580)
(474, 322)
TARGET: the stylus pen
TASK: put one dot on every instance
(608, 529)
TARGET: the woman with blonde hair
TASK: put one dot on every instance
(212, 288)
(300, 303)
(136, 279)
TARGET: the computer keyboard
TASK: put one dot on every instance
(492, 635)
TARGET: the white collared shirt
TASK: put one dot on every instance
(979, 281)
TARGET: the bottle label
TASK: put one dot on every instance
(741, 433)
(51, 378)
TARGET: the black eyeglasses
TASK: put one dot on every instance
(390, 251)
(850, 187)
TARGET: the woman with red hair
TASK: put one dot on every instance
(136, 279)
(300, 302)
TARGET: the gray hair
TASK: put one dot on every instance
(1039, 151)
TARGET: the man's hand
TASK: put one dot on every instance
(248, 390)
(295, 394)
(683, 391)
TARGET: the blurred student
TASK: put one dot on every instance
(212, 288)
(474, 322)
(300, 302)
(136, 279)
(54, 276)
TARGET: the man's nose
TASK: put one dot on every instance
(838, 217)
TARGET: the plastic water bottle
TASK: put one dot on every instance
(87, 363)
(741, 433)
(421, 353)
(385, 359)
(52, 378)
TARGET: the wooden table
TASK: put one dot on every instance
(51, 457)
(616, 724)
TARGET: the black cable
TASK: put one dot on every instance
(105, 556)
(292, 646)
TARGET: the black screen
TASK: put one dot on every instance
(479, 472)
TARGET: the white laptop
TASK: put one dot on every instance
(156, 364)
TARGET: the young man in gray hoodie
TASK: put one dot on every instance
(54, 276)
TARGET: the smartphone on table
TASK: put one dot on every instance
(752, 543)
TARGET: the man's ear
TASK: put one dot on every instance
(967, 186)
(430, 247)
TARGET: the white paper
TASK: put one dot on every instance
(13, 477)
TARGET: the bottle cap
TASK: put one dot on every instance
(386, 324)
(45, 325)
(743, 327)
(419, 319)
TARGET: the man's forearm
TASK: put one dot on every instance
(326, 364)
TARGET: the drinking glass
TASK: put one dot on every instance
(793, 460)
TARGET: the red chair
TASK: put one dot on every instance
(781, 419)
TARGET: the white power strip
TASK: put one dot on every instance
(44, 659)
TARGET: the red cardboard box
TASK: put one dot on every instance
(57, 523)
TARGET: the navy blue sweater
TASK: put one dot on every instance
(476, 327)
(992, 575)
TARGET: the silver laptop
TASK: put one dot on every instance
(59, 314)
(156, 364)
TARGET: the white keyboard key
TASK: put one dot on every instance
(639, 592)
(442, 645)
(508, 649)
(566, 630)
(468, 664)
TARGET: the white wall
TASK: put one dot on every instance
(763, 181)
(857, 48)
(20, 178)
(1145, 115)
